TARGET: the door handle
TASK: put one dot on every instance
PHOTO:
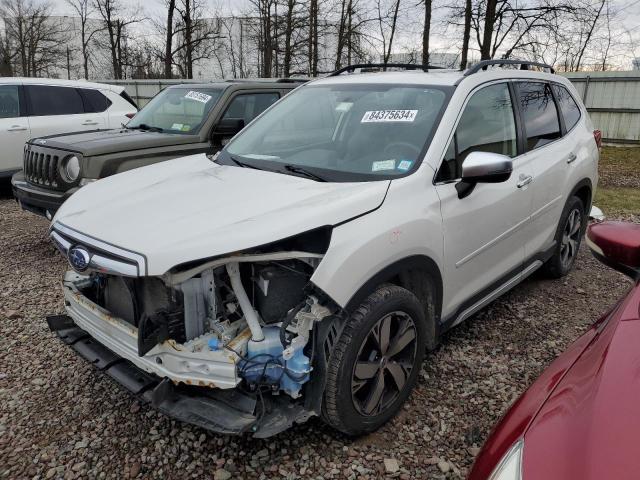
(89, 122)
(524, 180)
(571, 158)
(16, 128)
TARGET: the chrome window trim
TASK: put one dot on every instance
(106, 258)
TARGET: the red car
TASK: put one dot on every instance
(581, 418)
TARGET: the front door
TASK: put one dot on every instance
(484, 233)
(14, 129)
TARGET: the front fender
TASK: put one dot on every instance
(407, 224)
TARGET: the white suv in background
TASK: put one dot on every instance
(305, 268)
(36, 107)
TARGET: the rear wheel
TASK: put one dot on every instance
(568, 239)
(376, 361)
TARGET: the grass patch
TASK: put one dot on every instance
(620, 167)
(618, 191)
(618, 200)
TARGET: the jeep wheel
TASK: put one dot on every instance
(375, 362)
(568, 238)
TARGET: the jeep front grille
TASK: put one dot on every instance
(41, 165)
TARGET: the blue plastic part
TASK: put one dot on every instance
(266, 364)
(214, 344)
(297, 373)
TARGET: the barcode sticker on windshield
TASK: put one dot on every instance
(198, 96)
(389, 116)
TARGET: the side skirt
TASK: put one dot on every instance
(496, 289)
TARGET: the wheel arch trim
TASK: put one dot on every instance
(400, 273)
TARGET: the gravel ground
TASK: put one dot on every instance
(60, 418)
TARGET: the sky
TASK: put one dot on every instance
(409, 33)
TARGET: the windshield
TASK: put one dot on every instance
(342, 132)
(177, 110)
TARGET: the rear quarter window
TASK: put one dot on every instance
(568, 106)
(94, 100)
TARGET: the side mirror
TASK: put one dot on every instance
(483, 167)
(616, 244)
(228, 127)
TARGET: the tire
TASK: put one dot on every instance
(571, 228)
(350, 398)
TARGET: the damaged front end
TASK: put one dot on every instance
(233, 344)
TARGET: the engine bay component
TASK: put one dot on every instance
(280, 285)
(265, 365)
(250, 315)
(158, 328)
(199, 303)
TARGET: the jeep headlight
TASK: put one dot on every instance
(71, 168)
(510, 467)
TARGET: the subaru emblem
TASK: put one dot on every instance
(79, 258)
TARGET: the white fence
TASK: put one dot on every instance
(612, 99)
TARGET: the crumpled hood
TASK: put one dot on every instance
(589, 426)
(191, 208)
(100, 142)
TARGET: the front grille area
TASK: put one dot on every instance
(41, 166)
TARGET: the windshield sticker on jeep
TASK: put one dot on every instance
(405, 165)
(198, 96)
(176, 126)
(389, 116)
(383, 165)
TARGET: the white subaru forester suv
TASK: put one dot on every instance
(306, 268)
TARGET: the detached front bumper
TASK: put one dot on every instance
(37, 200)
(221, 411)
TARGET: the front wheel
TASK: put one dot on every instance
(375, 362)
(568, 238)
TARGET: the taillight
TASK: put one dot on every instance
(597, 135)
(129, 115)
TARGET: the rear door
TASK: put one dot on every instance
(57, 109)
(14, 128)
(548, 154)
(96, 107)
(484, 233)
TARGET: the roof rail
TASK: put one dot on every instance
(524, 65)
(406, 66)
(292, 80)
(266, 80)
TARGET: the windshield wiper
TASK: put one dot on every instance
(305, 172)
(242, 164)
(144, 126)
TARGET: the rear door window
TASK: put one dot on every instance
(50, 100)
(487, 125)
(539, 113)
(568, 106)
(94, 100)
(9, 101)
(248, 106)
